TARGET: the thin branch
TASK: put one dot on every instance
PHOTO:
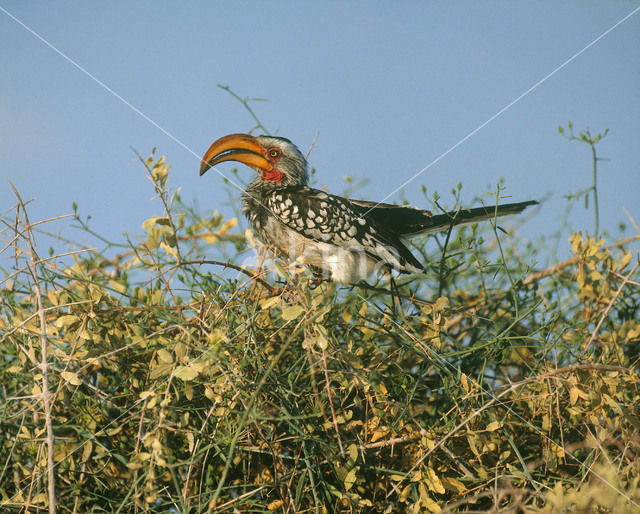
(511, 388)
(613, 300)
(573, 260)
(330, 399)
(162, 193)
(46, 395)
(313, 145)
(245, 101)
(234, 267)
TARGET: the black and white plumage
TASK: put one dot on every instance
(348, 239)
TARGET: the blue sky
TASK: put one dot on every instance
(387, 87)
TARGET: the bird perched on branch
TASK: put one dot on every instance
(346, 239)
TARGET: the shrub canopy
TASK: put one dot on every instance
(167, 382)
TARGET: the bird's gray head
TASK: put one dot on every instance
(276, 159)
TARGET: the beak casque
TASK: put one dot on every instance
(235, 147)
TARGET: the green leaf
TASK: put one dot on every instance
(350, 479)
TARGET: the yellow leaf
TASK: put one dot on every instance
(227, 225)
(217, 336)
(493, 426)
(353, 452)
(576, 242)
(71, 377)
(118, 287)
(465, 383)
(160, 369)
(377, 435)
(440, 304)
(153, 221)
(169, 249)
(53, 296)
(96, 292)
(165, 356)
(86, 451)
(210, 238)
(433, 482)
(190, 372)
(292, 312)
(114, 431)
(275, 505)
(573, 395)
(151, 498)
(267, 303)
(66, 320)
(405, 493)
(39, 498)
(180, 349)
(319, 340)
(208, 392)
(612, 403)
(453, 484)
(426, 500)
(431, 505)
(626, 259)
(367, 332)
(250, 237)
(143, 456)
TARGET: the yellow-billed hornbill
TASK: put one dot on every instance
(348, 239)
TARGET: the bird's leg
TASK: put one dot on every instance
(393, 289)
(395, 296)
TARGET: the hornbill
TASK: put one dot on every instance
(348, 239)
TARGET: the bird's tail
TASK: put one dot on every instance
(408, 221)
(462, 216)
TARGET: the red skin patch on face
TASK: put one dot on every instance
(273, 174)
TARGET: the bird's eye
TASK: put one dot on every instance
(274, 153)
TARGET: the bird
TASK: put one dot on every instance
(346, 240)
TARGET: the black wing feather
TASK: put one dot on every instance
(325, 217)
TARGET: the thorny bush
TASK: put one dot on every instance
(179, 385)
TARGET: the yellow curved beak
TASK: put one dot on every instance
(235, 147)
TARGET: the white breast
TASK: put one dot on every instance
(341, 265)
